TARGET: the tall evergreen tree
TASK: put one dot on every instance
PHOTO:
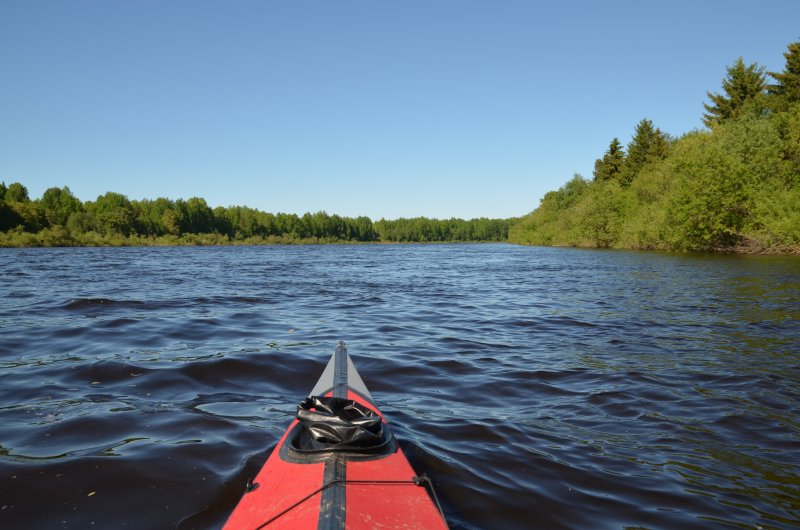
(610, 166)
(742, 84)
(788, 81)
(647, 145)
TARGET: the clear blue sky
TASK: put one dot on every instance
(438, 108)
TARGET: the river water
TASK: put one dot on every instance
(538, 387)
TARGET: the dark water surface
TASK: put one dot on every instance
(540, 388)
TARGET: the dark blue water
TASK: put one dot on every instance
(540, 388)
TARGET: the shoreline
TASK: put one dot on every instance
(44, 239)
(741, 250)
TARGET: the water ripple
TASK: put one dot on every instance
(573, 389)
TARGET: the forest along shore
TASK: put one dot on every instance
(59, 219)
(734, 187)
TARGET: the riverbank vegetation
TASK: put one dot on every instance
(732, 187)
(59, 218)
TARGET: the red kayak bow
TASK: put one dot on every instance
(338, 466)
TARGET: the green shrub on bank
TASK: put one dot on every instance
(734, 187)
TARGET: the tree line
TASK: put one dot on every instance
(732, 186)
(59, 218)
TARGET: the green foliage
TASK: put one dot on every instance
(648, 145)
(729, 177)
(114, 214)
(16, 192)
(644, 207)
(60, 219)
(80, 222)
(610, 166)
(787, 125)
(742, 84)
(155, 218)
(601, 214)
(736, 187)
(170, 223)
(422, 230)
(779, 219)
(29, 214)
(556, 221)
(58, 204)
(568, 195)
(711, 205)
(9, 218)
(194, 216)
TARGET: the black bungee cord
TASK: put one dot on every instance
(422, 480)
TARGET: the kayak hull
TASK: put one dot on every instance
(334, 490)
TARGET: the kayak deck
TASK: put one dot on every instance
(338, 489)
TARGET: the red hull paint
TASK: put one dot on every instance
(280, 485)
(387, 506)
(368, 506)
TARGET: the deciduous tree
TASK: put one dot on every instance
(16, 192)
(58, 204)
(114, 213)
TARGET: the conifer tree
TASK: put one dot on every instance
(788, 81)
(647, 145)
(610, 165)
(743, 83)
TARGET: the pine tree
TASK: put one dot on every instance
(647, 145)
(788, 81)
(610, 165)
(742, 84)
